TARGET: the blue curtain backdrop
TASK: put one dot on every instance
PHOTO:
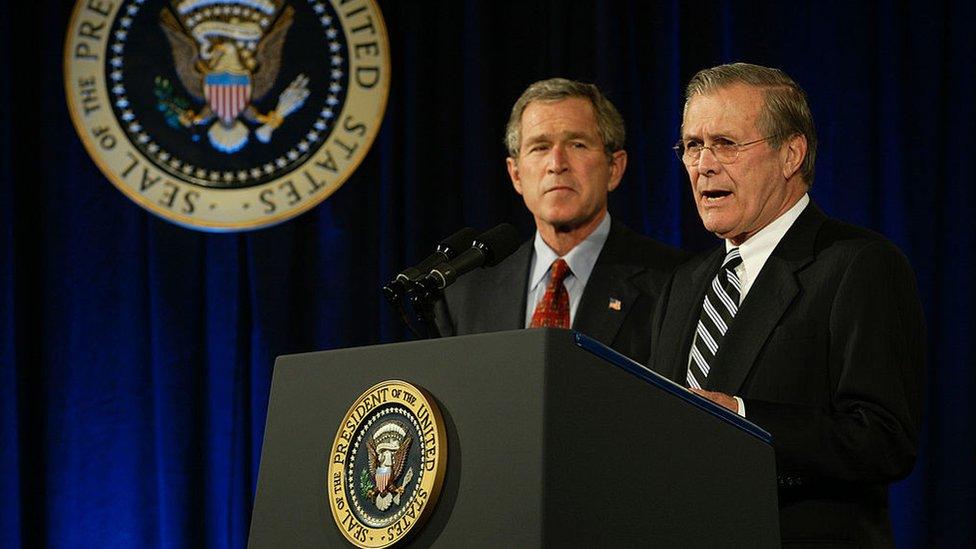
(136, 356)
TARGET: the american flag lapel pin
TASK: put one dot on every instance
(614, 304)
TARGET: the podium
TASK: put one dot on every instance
(553, 440)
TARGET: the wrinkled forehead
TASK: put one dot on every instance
(573, 113)
(731, 111)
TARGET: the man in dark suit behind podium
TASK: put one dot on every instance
(809, 327)
(565, 142)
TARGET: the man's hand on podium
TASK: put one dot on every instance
(721, 399)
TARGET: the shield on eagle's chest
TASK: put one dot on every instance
(382, 478)
(228, 94)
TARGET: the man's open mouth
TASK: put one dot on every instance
(715, 195)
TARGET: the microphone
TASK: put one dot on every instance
(489, 249)
(445, 250)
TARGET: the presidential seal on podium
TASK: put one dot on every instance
(387, 464)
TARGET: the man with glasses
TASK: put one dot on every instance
(809, 327)
(565, 144)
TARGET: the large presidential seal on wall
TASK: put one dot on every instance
(387, 464)
(227, 115)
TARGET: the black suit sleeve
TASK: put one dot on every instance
(866, 428)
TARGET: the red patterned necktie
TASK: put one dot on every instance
(552, 311)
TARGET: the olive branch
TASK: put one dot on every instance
(366, 485)
(172, 106)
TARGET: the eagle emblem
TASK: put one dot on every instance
(388, 449)
(387, 464)
(234, 114)
(227, 55)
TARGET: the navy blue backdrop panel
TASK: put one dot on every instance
(136, 356)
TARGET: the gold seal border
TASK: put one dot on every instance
(415, 399)
(123, 163)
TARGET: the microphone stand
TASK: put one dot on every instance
(408, 320)
(415, 304)
(422, 302)
(395, 293)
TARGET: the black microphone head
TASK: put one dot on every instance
(488, 249)
(445, 250)
(457, 242)
(498, 243)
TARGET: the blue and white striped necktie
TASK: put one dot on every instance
(718, 309)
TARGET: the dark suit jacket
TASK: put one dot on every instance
(631, 268)
(827, 351)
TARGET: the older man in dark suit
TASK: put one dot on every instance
(809, 327)
(581, 270)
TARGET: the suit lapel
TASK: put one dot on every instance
(595, 317)
(609, 283)
(764, 305)
(769, 297)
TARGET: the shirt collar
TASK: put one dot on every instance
(581, 259)
(757, 249)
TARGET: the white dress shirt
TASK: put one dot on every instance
(757, 249)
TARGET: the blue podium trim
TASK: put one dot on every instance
(643, 372)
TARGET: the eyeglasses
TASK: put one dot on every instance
(726, 152)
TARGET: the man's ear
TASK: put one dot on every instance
(513, 173)
(794, 150)
(618, 165)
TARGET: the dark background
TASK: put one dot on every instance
(136, 356)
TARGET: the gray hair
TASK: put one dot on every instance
(610, 125)
(785, 111)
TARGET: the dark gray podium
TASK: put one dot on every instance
(553, 440)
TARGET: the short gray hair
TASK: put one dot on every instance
(610, 125)
(785, 110)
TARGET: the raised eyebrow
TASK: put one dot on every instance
(548, 139)
(712, 137)
(535, 140)
(573, 136)
(723, 136)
